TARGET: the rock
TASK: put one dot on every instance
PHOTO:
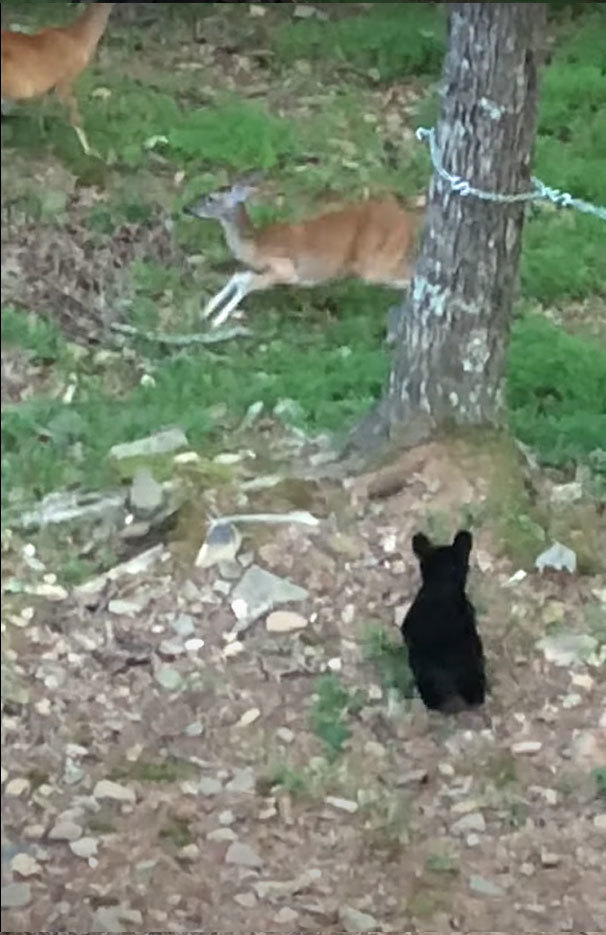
(465, 806)
(473, 821)
(284, 621)
(566, 493)
(195, 729)
(445, 769)
(243, 781)
(221, 834)
(17, 787)
(278, 889)
(25, 865)
(249, 717)
(355, 921)
(66, 507)
(526, 747)
(412, 777)
(209, 786)
(3, 775)
(242, 855)
(567, 648)
(558, 557)
(65, 831)
(599, 822)
(549, 860)
(589, 748)
(344, 805)
(146, 495)
(116, 919)
(164, 442)
(226, 817)
(193, 645)
(52, 592)
(246, 900)
(84, 847)
(259, 591)
(168, 678)
(125, 608)
(285, 734)
(233, 649)
(222, 543)
(16, 895)
(183, 625)
(171, 648)
(285, 916)
(106, 789)
(485, 887)
(189, 852)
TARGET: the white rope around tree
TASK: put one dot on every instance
(538, 192)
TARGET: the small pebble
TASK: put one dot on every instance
(84, 847)
(344, 805)
(249, 717)
(526, 746)
(17, 787)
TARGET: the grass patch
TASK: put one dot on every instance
(40, 338)
(556, 392)
(169, 770)
(176, 832)
(599, 777)
(331, 709)
(390, 659)
(390, 40)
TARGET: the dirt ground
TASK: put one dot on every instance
(477, 822)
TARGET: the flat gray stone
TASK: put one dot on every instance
(258, 592)
(485, 887)
(355, 921)
(15, 895)
(243, 781)
(168, 678)
(183, 625)
(160, 443)
(242, 855)
(146, 494)
(567, 648)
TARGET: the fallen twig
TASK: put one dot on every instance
(181, 340)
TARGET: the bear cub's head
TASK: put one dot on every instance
(443, 562)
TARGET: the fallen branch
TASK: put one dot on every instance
(181, 340)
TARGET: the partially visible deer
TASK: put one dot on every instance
(371, 240)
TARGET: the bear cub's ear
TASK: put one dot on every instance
(462, 544)
(421, 545)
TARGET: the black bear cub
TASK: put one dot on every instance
(444, 648)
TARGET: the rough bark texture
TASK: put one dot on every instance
(450, 356)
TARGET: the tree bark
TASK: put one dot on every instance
(453, 331)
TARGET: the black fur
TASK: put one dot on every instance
(444, 648)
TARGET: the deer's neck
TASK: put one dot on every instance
(239, 233)
(91, 25)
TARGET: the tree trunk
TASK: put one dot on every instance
(453, 330)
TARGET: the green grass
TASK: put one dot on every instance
(331, 710)
(390, 659)
(313, 131)
(393, 40)
(557, 391)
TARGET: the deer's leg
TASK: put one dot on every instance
(231, 287)
(283, 273)
(67, 97)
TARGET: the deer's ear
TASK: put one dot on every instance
(421, 545)
(239, 193)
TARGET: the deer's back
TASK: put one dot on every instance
(361, 239)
